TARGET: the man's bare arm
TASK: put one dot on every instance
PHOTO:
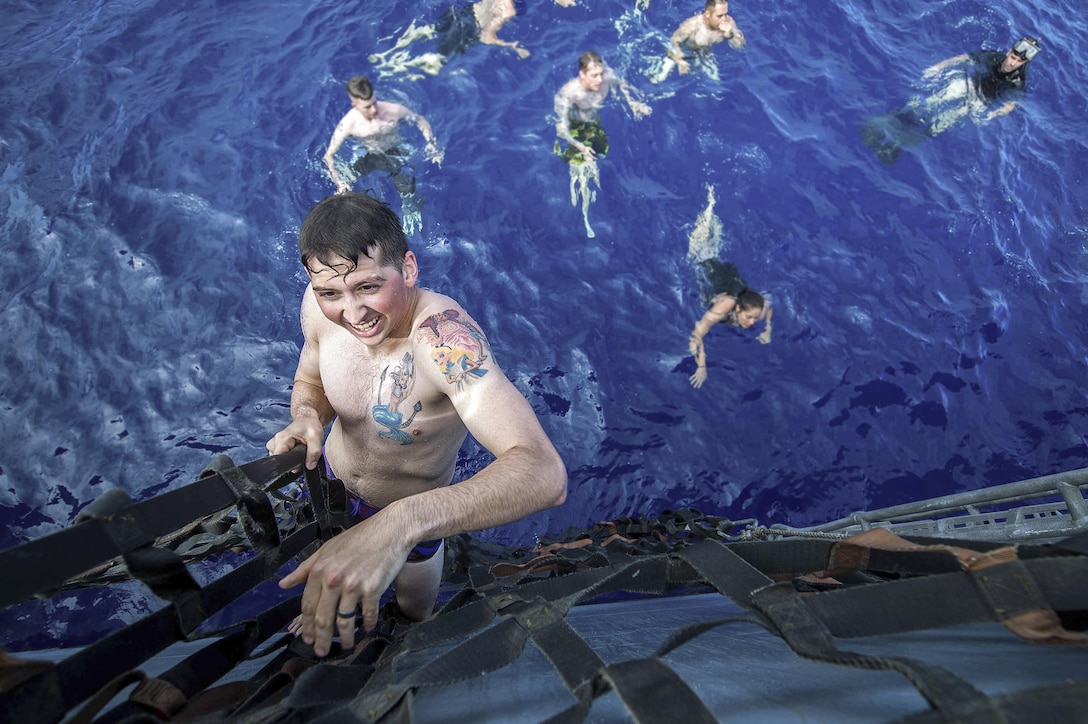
(682, 34)
(696, 346)
(339, 135)
(499, 14)
(638, 108)
(311, 411)
(1004, 110)
(736, 40)
(562, 104)
(433, 151)
(765, 335)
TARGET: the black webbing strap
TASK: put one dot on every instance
(805, 633)
(908, 604)
(165, 574)
(725, 570)
(1055, 703)
(1009, 589)
(911, 604)
(790, 556)
(653, 693)
(43, 565)
(797, 556)
(648, 688)
(255, 511)
(809, 638)
(492, 648)
(52, 692)
(320, 692)
(573, 659)
(49, 694)
(104, 695)
(203, 668)
(329, 499)
(536, 610)
(480, 612)
(1063, 581)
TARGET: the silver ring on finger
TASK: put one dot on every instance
(346, 614)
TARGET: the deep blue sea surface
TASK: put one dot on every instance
(930, 335)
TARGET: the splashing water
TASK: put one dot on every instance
(581, 176)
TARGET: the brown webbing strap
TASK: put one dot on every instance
(1020, 606)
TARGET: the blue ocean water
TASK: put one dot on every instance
(929, 335)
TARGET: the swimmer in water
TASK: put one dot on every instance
(578, 106)
(983, 85)
(457, 30)
(698, 34)
(723, 290)
(375, 123)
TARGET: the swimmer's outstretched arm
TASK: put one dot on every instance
(1003, 110)
(938, 67)
(343, 129)
(736, 40)
(715, 314)
(501, 12)
(433, 151)
(638, 109)
(765, 336)
(493, 39)
(676, 53)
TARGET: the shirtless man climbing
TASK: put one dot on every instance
(368, 328)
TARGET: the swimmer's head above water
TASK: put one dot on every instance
(361, 93)
(1019, 55)
(1026, 48)
(749, 309)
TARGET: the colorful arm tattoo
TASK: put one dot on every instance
(458, 348)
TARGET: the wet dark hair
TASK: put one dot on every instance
(340, 228)
(711, 4)
(588, 58)
(359, 87)
(749, 299)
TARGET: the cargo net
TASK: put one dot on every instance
(808, 592)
